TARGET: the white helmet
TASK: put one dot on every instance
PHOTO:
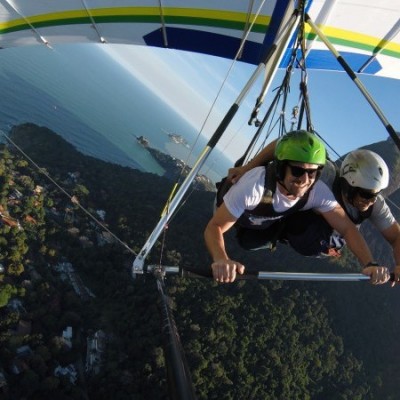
(365, 169)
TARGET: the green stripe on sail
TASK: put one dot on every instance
(176, 16)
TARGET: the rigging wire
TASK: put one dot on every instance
(305, 103)
(71, 197)
(244, 37)
(247, 30)
(163, 26)
(272, 110)
(271, 67)
(93, 22)
(392, 203)
(34, 30)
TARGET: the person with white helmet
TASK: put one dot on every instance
(357, 187)
(363, 175)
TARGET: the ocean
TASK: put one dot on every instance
(97, 106)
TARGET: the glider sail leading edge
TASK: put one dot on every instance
(210, 27)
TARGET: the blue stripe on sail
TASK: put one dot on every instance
(205, 42)
(324, 59)
(225, 46)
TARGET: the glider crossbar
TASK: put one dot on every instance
(266, 275)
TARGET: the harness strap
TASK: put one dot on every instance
(265, 206)
(270, 184)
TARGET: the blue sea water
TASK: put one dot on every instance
(95, 105)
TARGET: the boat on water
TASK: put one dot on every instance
(178, 139)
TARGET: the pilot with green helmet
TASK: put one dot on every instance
(258, 204)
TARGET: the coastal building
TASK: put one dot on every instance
(95, 348)
(67, 336)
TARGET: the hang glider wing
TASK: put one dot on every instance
(366, 32)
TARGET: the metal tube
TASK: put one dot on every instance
(281, 43)
(265, 275)
(355, 79)
(271, 64)
(139, 260)
(382, 44)
(305, 276)
(180, 385)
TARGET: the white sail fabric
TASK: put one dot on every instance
(366, 32)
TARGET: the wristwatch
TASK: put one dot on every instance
(372, 264)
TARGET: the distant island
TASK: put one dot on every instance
(142, 140)
(174, 168)
(178, 139)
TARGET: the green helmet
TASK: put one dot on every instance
(301, 146)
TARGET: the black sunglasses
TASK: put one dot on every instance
(298, 172)
(367, 194)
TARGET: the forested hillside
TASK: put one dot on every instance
(248, 340)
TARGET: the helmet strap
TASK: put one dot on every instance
(281, 166)
(284, 186)
(348, 190)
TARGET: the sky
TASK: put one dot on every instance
(191, 83)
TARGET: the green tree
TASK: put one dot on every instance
(15, 269)
(6, 292)
(81, 191)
